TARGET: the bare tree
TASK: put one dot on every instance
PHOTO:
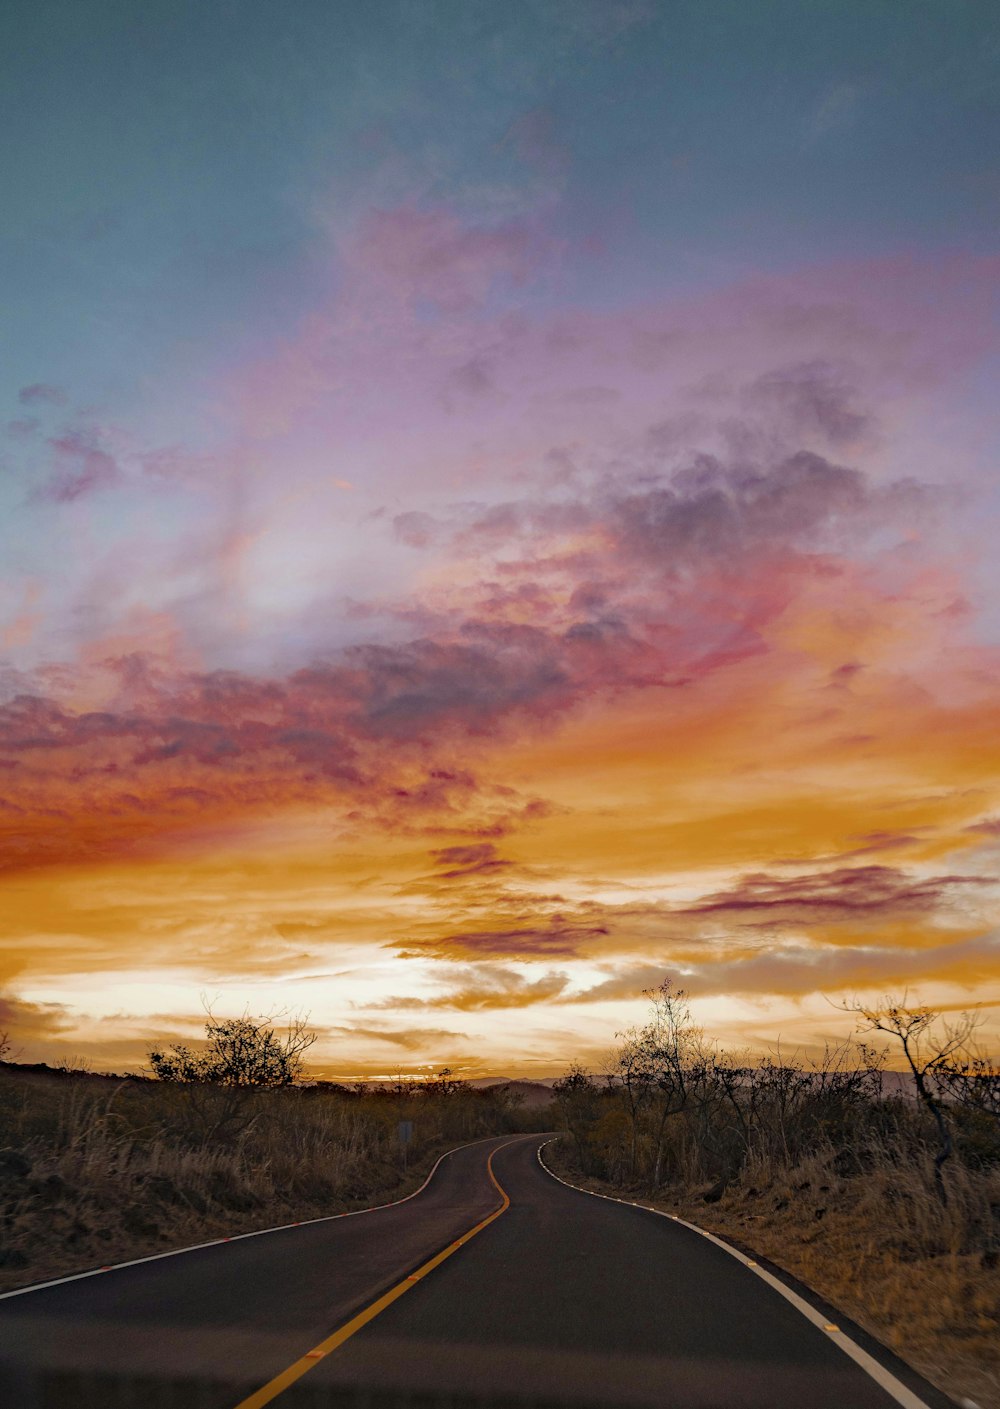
(240, 1052)
(925, 1052)
(630, 1072)
(971, 1078)
(443, 1083)
(241, 1056)
(680, 1061)
(663, 1069)
(577, 1098)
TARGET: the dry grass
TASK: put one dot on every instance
(878, 1245)
(93, 1171)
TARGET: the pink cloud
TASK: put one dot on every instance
(42, 394)
(835, 361)
(575, 505)
(81, 467)
(432, 256)
(22, 626)
(24, 427)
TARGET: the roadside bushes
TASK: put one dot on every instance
(832, 1169)
(95, 1169)
(673, 1109)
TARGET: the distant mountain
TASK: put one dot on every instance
(532, 1093)
(545, 1081)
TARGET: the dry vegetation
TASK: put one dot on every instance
(885, 1203)
(834, 1176)
(95, 1170)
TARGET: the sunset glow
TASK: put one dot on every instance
(499, 508)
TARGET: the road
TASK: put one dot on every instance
(559, 1299)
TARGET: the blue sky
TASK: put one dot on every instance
(173, 169)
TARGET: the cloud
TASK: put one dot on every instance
(413, 1039)
(796, 970)
(80, 467)
(460, 862)
(24, 427)
(485, 987)
(433, 256)
(664, 550)
(642, 591)
(812, 398)
(851, 908)
(42, 394)
(374, 730)
(710, 510)
(556, 938)
(676, 569)
(26, 1021)
(416, 529)
(474, 378)
(20, 628)
(490, 671)
(845, 893)
(174, 750)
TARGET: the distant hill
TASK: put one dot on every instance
(532, 1093)
(63, 1073)
(535, 1091)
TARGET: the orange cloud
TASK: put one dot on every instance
(704, 723)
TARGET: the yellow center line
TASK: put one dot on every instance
(312, 1357)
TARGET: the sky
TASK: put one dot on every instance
(498, 508)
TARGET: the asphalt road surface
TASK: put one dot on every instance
(560, 1299)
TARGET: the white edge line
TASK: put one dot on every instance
(885, 1378)
(239, 1237)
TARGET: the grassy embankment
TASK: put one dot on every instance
(95, 1170)
(840, 1193)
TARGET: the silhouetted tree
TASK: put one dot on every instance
(925, 1051)
(443, 1083)
(240, 1052)
(578, 1102)
(971, 1080)
(242, 1056)
(663, 1068)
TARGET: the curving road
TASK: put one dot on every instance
(559, 1299)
